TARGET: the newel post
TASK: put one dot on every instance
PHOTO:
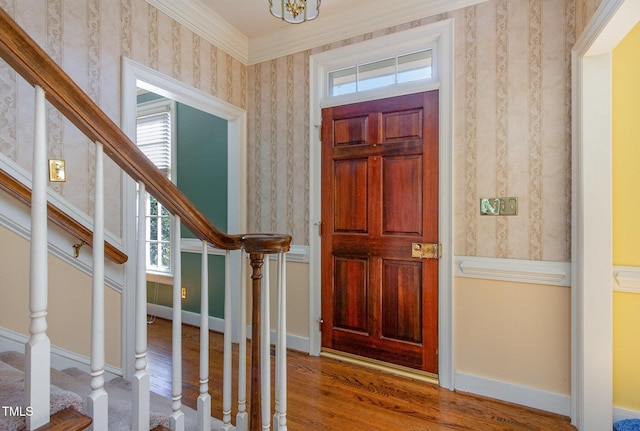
(255, 407)
(257, 246)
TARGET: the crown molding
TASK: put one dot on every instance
(207, 24)
(354, 21)
(350, 22)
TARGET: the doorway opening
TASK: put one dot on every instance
(438, 35)
(134, 77)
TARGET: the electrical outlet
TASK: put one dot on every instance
(184, 293)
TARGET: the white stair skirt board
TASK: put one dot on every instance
(294, 342)
(523, 395)
(60, 358)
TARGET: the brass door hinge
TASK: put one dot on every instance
(426, 251)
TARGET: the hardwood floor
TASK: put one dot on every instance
(329, 395)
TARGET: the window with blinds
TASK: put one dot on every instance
(155, 138)
(154, 135)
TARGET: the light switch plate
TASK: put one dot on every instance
(499, 206)
(57, 172)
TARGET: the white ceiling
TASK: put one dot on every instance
(246, 29)
(252, 17)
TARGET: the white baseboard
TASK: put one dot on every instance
(523, 395)
(621, 414)
(188, 317)
(294, 342)
(60, 358)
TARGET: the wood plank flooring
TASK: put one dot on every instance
(329, 395)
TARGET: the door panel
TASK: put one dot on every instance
(351, 293)
(402, 299)
(351, 195)
(379, 195)
(402, 173)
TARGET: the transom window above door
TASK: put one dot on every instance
(399, 69)
(404, 62)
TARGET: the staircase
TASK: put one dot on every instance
(70, 388)
(127, 403)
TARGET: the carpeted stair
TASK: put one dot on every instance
(71, 387)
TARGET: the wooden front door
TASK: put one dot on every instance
(379, 197)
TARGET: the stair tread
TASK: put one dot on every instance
(68, 419)
(77, 381)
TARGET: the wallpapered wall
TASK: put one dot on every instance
(512, 107)
(512, 128)
(88, 39)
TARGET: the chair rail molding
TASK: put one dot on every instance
(626, 279)
(516, 270)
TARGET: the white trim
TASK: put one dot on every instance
(208, 24)
(591, 336)
(16, 218)
(620, 414)
(188, 317)
(626, 279)
(516, 270)
(60, 358)
(411, 40)
(441, 31)
(294, 342)
(136, 75)
(296, 38)
(347, 23)
(518, 394)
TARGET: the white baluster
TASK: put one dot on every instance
(177, 415)
(141, 387)
(280, 416)
(265, 348)
(38, 348)
(227, 370)
(97, 403)
(204, 400)
(242, 418)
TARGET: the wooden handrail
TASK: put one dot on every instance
(22, 193)
(26, 57)
(22, 53)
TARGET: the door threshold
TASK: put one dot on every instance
(387, 367)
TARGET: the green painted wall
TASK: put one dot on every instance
(202, 163)
(202, 177)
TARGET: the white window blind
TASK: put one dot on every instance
(154, 139)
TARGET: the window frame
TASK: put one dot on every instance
(148, 108)
(395, 45)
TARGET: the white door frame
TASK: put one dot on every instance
(135, 75)
(592, 250)
(441, 33)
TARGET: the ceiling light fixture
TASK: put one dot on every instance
(295, 11)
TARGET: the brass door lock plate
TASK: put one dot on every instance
(426, 251)
(499, 206)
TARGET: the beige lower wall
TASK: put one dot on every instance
(297, 298)
(518, 333)
(69, 310)
(514, 332)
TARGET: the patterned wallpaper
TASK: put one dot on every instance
(512, 129)
(512, 110)
(88, 39)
